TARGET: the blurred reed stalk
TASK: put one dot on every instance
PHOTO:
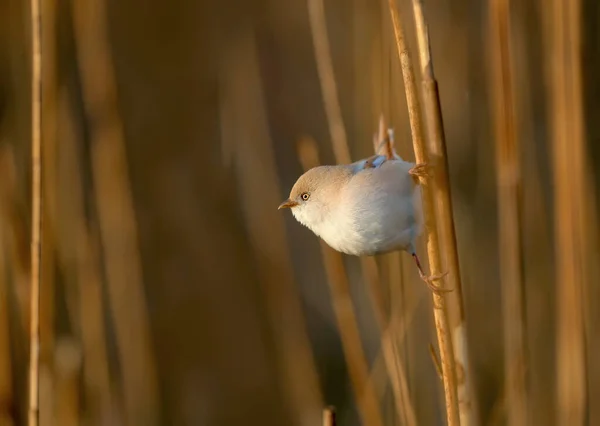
(36, 210)
(66, 388)
(399, 322)
(442, 197)
(243, 107)
(329, 416)
(390, 349)
(440, 308)
(49, 216)
(391, 333)
(508, 178)
(49, 163)
(6, 365)
(572, 192)
(17, 251)
(364, 392)
(16, 237)
(81, 259)
(116, 215)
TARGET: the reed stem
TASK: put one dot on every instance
(571, 186)
(36, 211)
(445, 216)
(440, 308)
(508, 179)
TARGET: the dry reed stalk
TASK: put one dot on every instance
(66, 388)
(47, 395)
(390, 336)
(571, 186)
(116, 215)
(445, 217)
(6, 362)
(49, 93)
(36, 210)
(318, 27)
(6, 365)
(341, 151)
(364, 392)
(390, 360)
(537, 253)
(16, 238)
(100, 397)
(81, 246)
(329, 416)
(508, 178)
(244, 128)
(433, 245)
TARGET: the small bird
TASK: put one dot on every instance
(369, 207)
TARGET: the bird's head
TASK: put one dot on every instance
(316, 193)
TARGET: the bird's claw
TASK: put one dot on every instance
(429, 280)
(420, 170)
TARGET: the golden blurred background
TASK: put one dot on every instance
(173, 292)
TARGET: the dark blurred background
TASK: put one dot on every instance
(175, 293)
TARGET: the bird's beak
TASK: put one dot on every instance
(287, 204)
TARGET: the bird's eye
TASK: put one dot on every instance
(305, 196)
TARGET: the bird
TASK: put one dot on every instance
(366, 208)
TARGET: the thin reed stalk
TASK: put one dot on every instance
(49, 129)
(508, 178)
(116, 215)
(571, 186)
(390, 350)
(440, 310)
(366, 398)
(66, 388)
(36, 210)
(82, 245)
(318, 28)
(6, 364)
(445, 217)
(391, 336)
(17, 244)
(241, 86)
(329, 416)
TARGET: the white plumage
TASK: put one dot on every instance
(368, 207)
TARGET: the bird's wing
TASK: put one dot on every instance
(372, 162)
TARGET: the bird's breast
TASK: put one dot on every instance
(378, 212)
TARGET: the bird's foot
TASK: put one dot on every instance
(430, 281)
(420, 170)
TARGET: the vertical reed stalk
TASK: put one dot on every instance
(36, 210)
(116, 215)
(68, 365)
(241, 86)
(445, 217)
(83, 246)
(329, 416)
(391, 353)
(391, 334)
(366, 398)
(6, 364)
(318, 27)
(508, 178)
(570, 203)
(48, 123)
(15, 237)
(433, 245)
